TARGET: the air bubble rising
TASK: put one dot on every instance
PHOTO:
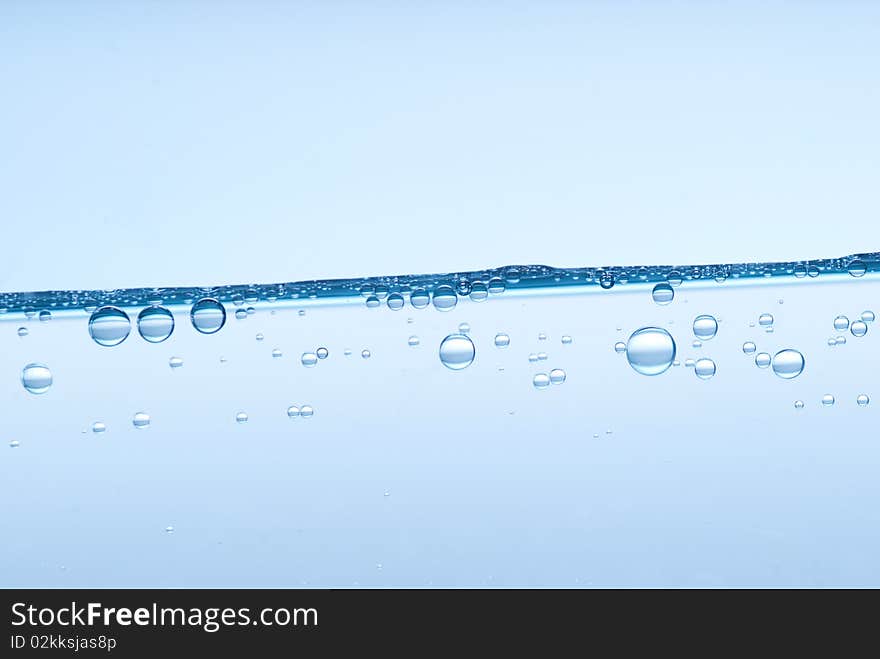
(457, 352)
(208, 316)
(788, 363)
(109, 326)
(663, 294)
(650, 350)
(155, 324)
(36, 378)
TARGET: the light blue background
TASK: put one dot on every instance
(158, 143)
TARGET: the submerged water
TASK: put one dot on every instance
(698, 425)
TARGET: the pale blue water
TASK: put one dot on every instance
(521, 426)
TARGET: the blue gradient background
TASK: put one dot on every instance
(197, 143)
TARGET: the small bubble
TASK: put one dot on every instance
(620, 347)
(705, 327)
(419, 299)
(541, 380)
(306, 411)
(859, 328)
(798, 404)
(763, 359)
(765, 320)
(863, 400)
(251, 311)
(301, 312)
(395, 301)
(98, 427)
(372, 302)
(650, 350)
(566, 340)
(155, 324)
(857, 268)
(141, 420)
(457, 352)
(347, 352)
(45, 316)
(696, 343)
(841, 323)
(175, 362)
(36, 378)
(14, 443)
(557, 376)
(365, 353)
(788, 363)
(749, 348)
(689, 362)
(542, 356)
(827, 400)
(240, 314)
(464, 328)
(322, 353)
(496, 286)
(533, 357)
(502, 340)
(542, 337)
(663, 294)
(840, 340)
(276, 353)
(413, 341)
(674, 278)
(293, 411)
(241, 417)
(309, 359)
(109, 326)
(868, 316)
(704, 368)
(208, 315)
(479, 292)
(169, 529)
(832, 341)
(445, 298)
(23, 331)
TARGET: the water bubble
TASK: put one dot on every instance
(765, 320)
(541, 380)
(419, 299)
(566, 340)
(365, 353)
(306, 411)
(862, 400)
(674, 278)
(542, 337)
(533, 357)
(322, 353)
(704, 368)
(557, 376)
(250, 311)
(208, 315)
(763, 359)
(36, 378)
(98, 427)
(689, 362)
(868, 316)
(309, 359)
(240, 314)
(463, 287)
(464, 328)
(542, 356)
(696, 343)
(155, 324)
(859, 328)
(788, 363)
(413, 341)
(496, 286)
(259, 336)
(457, 352)
(663, 294)
(479, 292)
(650, 350)
(140, 420)
(395, 301)
(841, 323)
(827, 400)
(502, 340)
(619, 347)
(14, 443)
(175, 362)
(606, 280)
(293, 412)
(705, 327)
(372, 302)
(45, 316)
(109, 326)
(23, 331)
(840, 340)
(445, 298)
(169, 529)
(276, 353)
(241, 417)
(832, 341)
(857, 268)
(799, 404)
(749, 348)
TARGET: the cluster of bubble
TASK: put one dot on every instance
(828, 400)
(544, 380)
(309, 359)
(110, 326)
(858, 328)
